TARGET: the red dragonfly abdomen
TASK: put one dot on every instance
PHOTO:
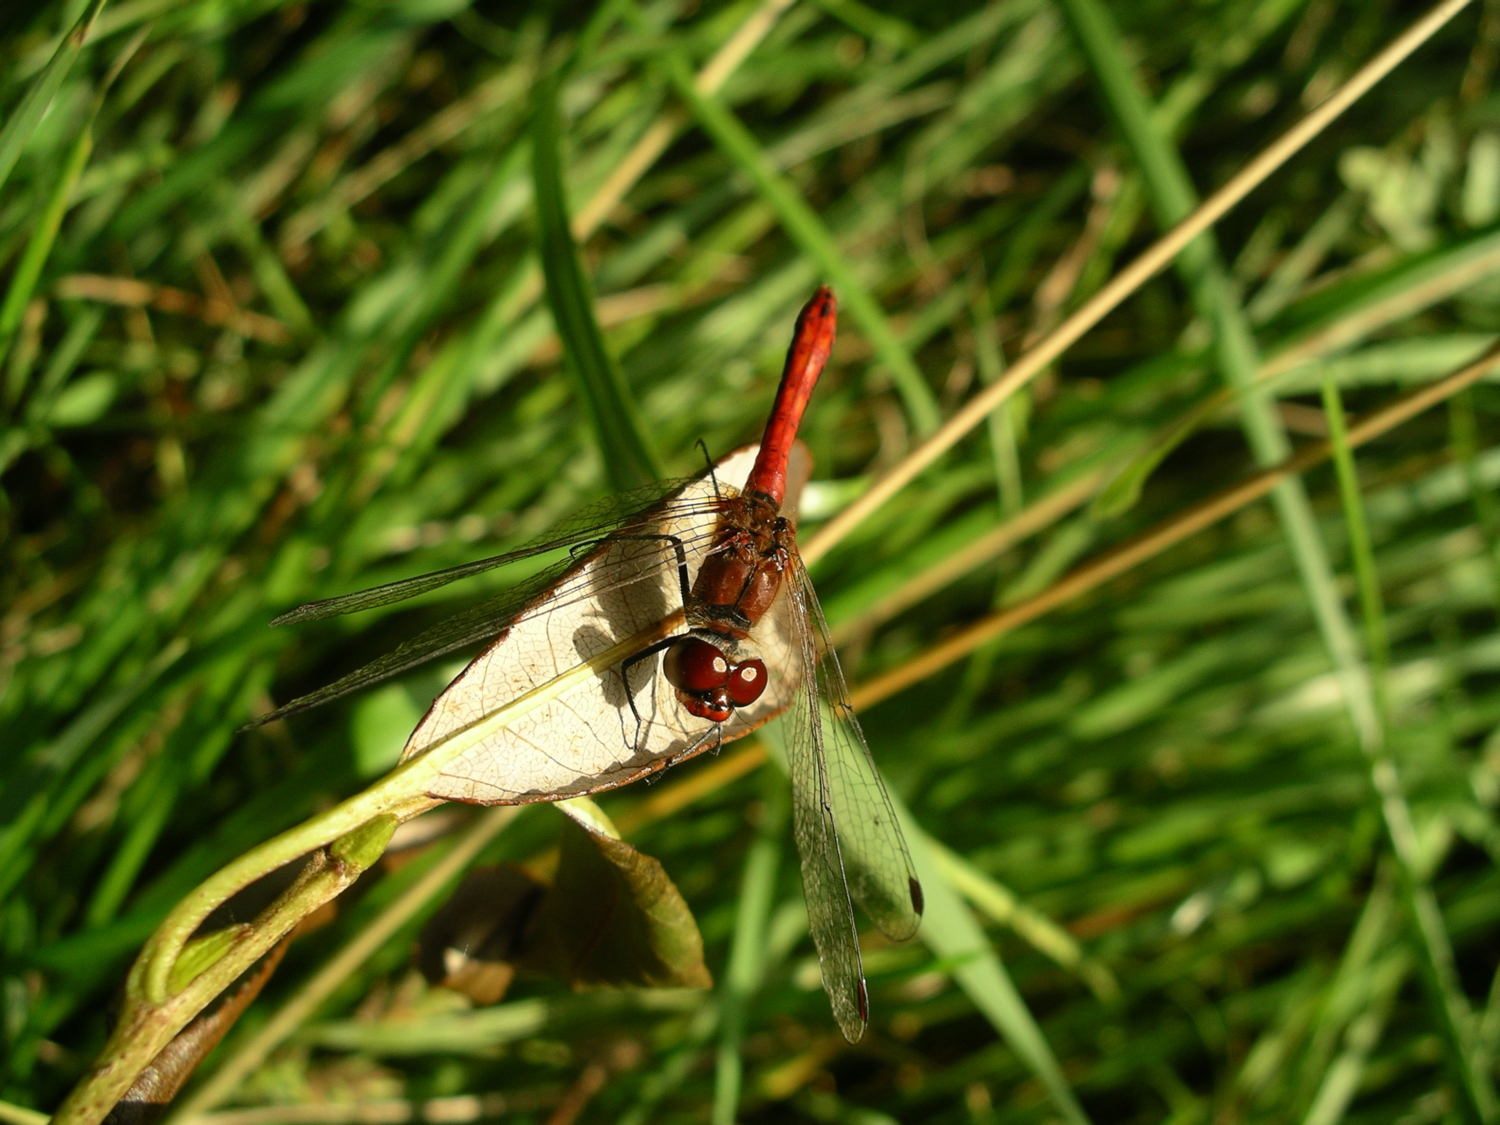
(811, 345)
(741, 577)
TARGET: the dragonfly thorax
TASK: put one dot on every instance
(713, 676)
(744, 570)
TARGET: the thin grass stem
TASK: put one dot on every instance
(1151, 262)
(1164, 535)
(1433, 943)
(1377, 638)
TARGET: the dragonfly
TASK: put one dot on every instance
(691, 607)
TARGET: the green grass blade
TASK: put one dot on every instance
(1433, 942)
(1043, 934)
(1342, 1079)
(1172, 197)
(953, 933)
(1005, 422)
(883, 29)
(746, 966)
(677, 1066)
(29, 269)
(628, 460)
(24, 119)
(1163, 774)
(1361, 552)
(808, 231)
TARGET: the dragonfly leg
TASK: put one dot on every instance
(712, 476)
(631, 662)
(682, 565)
(718, 729)
(657, 770)
(686, 587)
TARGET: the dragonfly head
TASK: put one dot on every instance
(713, 675)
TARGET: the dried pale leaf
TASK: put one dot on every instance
(543, 713)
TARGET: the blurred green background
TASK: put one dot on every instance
(274, 329)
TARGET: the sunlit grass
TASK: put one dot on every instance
(274, 329)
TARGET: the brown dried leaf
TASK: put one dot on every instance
(614, 919)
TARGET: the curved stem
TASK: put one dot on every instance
(357, 829)
(392, 795)
(326, 981)
(145, 1027)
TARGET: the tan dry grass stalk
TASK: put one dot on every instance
(1036, 517)
(1151, 262)
(131, 293)
(1151, 543)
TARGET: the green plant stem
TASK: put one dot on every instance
(389, 797)
(20, 1115)
(249, 1055)
(145, 1027)
(156, 1010)
(1444, 987)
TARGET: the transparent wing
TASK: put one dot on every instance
(595, 522)
(473, 625)
(850, 842)
(876, 860)
(543, 593)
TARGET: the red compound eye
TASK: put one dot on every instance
(747, 682)
(696, 666)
